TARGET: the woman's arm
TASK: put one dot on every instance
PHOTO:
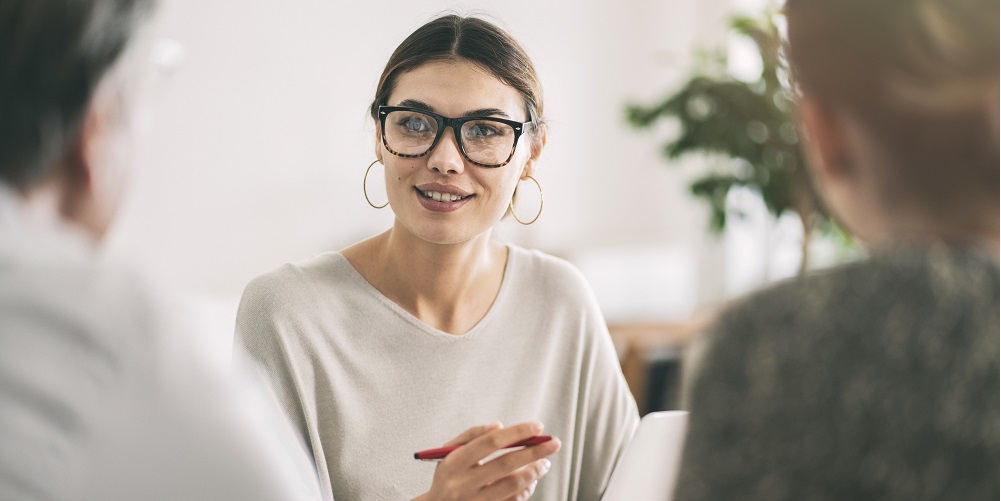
(610, 414)
(264, 336)
(611, 417)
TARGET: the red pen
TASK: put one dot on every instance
(441, 452)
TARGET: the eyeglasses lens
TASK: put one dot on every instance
(483, 141)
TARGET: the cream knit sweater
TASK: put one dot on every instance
(367, 384)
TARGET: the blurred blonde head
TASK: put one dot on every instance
(899, 99)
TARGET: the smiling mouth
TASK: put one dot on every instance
(438, 196)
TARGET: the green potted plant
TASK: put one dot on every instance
(749, 122)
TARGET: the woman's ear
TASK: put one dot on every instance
(826, 141)
(531, 166)
(377, 144)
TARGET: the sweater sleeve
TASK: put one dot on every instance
(266, 333)
(261, 333)
(608, 407)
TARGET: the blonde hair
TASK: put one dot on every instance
(921, 76)
(948, 68)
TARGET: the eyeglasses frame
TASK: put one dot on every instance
(456, 125)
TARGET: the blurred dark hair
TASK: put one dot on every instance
(53, 55)
(456, 38)
(922, 78)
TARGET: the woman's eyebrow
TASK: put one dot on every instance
(481, 112)
(486, 112)
(413, 103)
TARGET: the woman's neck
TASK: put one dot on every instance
(981, 233)
(448, 286)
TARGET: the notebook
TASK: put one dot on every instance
(648, 468)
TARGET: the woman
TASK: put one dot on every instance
(399, 342)
(879, 379)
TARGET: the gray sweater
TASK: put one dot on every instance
(877, 380)
(367, 384)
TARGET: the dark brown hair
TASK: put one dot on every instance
(921, 76)
(457, 38)
(53, 55)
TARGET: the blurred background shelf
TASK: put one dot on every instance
(652, 356)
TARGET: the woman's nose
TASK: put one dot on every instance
(446, 156)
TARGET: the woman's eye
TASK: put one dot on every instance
(483, 130)
(414, 124)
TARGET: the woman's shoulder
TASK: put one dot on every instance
(902, 274)
(294, 280)
(550, 275)
(543, 265)
(902, 289)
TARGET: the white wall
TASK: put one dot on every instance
(261, 138)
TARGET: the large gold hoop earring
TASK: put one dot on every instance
(541, 201)
(364, 187)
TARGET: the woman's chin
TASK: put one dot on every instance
(442, 233)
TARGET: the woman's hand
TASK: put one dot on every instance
(512, 477)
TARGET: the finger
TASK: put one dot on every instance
(498, 468)
(485, 444)
(525, 494)
(472, 433)
(517, 485)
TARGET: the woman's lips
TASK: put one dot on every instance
(445, 189)
(440, 201)
(439, 196)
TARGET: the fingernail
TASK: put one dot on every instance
(546, 465)
(537, 427)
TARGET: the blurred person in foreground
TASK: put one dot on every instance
(878, 379)
(103, 394)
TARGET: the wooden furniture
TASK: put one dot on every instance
(642, 345)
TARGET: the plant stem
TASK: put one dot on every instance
(807, 221)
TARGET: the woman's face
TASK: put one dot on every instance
(453, 89)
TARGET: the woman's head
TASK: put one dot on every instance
(903, 95)
(457, 38)
(458, 114)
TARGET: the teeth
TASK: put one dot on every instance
(441, 197)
